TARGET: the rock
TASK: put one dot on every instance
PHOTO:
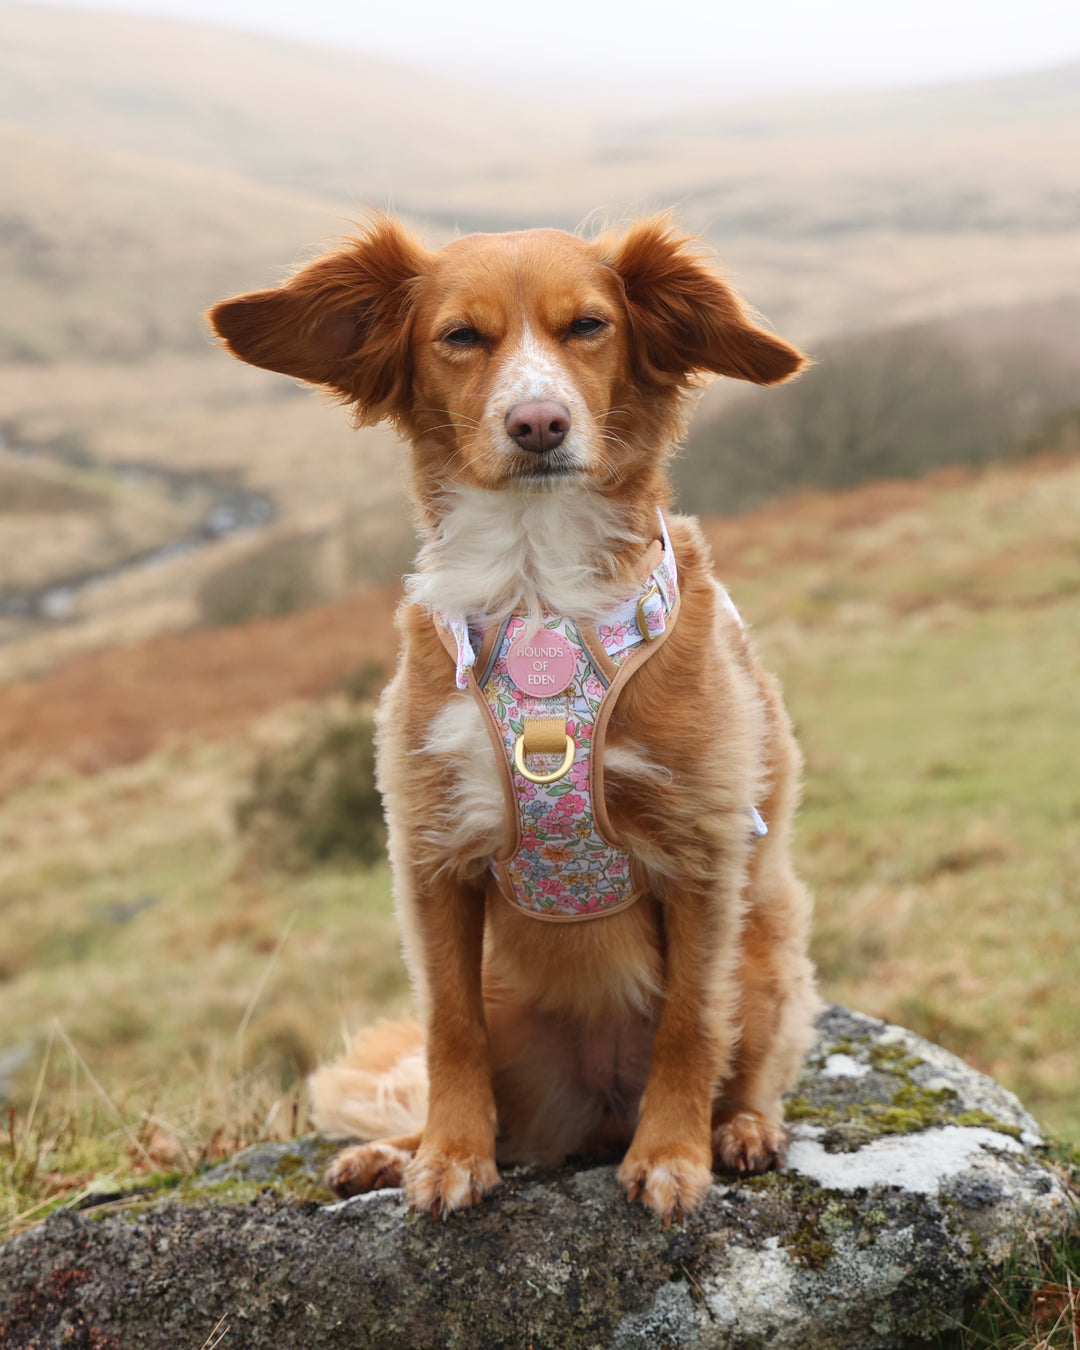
(910, 1177)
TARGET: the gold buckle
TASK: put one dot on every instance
(653, 589)
(560, 772)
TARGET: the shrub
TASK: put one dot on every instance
(315, 801)
(894, 404)
(279, 577)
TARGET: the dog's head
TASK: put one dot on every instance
(529, 359)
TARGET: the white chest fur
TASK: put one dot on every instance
(527, 551)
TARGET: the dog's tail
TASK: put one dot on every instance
(377, 1089)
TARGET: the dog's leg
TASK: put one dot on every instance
(371, 1167)
(669, 1164)
(746, 1140)
(777, 1006)
(455, 1164)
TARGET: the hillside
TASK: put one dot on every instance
(107, 261)
(835, 212)
(308, 118)
(925, 636)
(149, 167)
(895, 403)
(112, 256)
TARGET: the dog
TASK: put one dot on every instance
(605, 936)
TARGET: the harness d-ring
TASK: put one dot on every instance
(652, 592)
(560, 772)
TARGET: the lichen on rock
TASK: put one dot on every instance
(909, 1177)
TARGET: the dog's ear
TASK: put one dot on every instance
(343, 321)
(685, 318)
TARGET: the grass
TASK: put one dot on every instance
(1034, 1304)
(197, 414)
(930, 663)
(171, 977)
(925, 633)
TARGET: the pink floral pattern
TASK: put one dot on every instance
(562, 867)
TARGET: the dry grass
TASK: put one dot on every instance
(324, 120)
(57, 524)
(116, 707)
(929, 658)
(171, 977)
(198, 414)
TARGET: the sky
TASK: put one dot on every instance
(588, 46)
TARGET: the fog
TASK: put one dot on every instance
(684, 47)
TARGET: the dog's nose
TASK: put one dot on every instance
(538, 425)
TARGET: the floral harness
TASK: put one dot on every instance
(547, 694)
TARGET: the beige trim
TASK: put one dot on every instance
(634, 897)
(590, 640)
(510, 801)
(653, 557)
(447, 640)
(510, 805)
(633, 662)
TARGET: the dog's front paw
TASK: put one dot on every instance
(671, 1182)
(747, 1141)
(367, 1167)
(442, 1180)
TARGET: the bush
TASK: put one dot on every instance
(278, 577)
(888, 405)
(315, 801)
(295, 571)
(1058, 435)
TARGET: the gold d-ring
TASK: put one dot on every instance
(560, 772)
(642, 622)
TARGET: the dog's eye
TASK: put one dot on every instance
(585, 326)
(463, 337)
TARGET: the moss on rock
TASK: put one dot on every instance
(558, 1260)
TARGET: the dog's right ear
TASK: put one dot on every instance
(343, 321)
(684, 317)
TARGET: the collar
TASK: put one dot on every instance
(643, 617)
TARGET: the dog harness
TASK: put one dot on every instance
(547, 693)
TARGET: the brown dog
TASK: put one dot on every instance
(540, 381)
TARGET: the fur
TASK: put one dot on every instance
(664, 1033)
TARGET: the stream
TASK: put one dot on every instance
(231, 510)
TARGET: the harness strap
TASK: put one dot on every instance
(544, 735)
(546, 695)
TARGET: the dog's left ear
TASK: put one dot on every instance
(685, 318)
(343, 321)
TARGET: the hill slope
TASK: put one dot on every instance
(925, 636)
(310, 118)
(835, 212)
(109, 255)
(150, 167)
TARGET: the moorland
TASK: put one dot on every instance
(193, 901)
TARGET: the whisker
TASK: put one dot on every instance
(611, 466)
(464, 419)
(456, 426)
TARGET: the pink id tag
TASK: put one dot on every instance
(542, 665)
